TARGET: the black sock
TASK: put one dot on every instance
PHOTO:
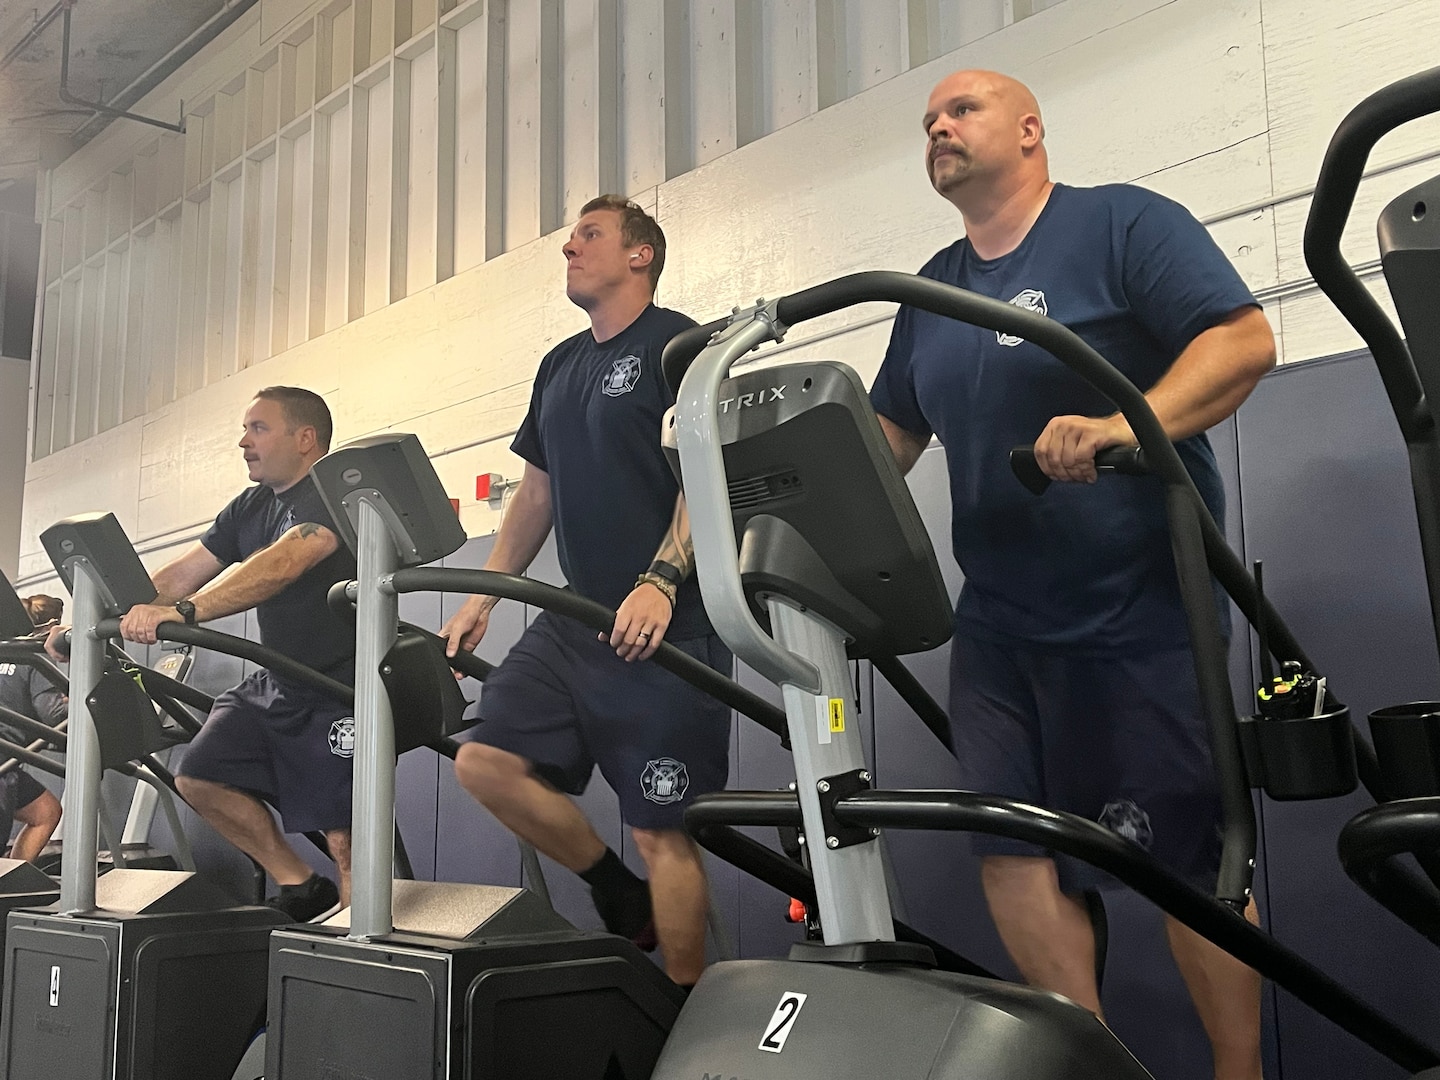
(610, 876)
(621, 898)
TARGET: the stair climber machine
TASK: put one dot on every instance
(1407, 737)
(22, 885)
(434, 979)
(152, 791)
(139, 973)
(149, 974)
(421, 979)
(809, 549)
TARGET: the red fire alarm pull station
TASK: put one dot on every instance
(489, 487)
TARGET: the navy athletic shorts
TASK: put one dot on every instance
(18, 789)
(1120, 740)
(565, 702)
(286, 744)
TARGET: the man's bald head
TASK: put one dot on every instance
(982, 126)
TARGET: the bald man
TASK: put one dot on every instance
(1072, 680)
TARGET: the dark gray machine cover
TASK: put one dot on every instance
(1409, 231)
(779, 1020)
(395, 468)
(14, 619)
(815, 493)
(99, 539)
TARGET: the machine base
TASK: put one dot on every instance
(569, 1004)
(155, 994)
(777, 1020)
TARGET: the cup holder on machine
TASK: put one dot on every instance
(1407, 745)
(1311, 757)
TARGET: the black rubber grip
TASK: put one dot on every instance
(1129, 460)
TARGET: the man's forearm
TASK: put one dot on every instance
(169, 586)
(677, 549)
(904, 445)
(263, 575)
(523, 532)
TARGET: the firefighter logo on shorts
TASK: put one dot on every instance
(342, 737)
(664, 780)
(623, 376)
(1030, 300)
(1124, 818)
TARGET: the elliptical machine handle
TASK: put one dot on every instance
(1129, 460)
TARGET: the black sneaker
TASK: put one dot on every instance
(629, 918)
(307, 900)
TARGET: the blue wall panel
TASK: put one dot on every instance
(471, 846)
(1328, 507)
(417, 771)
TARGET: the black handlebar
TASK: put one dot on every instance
(245, 649)
(1129, 460)
(1340, 175)
(947, 300)
(1369, 846)
(597, 617)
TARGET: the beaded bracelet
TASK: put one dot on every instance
(659, 583)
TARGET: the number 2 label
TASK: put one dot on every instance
(778, 1030)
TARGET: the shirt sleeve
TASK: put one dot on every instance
(893, 393)
(1177, 280)
(527, 442)
(222, 539)
(310, 508)
(677, 324)
(49, 703)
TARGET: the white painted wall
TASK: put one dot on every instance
(1219, 103)
(14, 391)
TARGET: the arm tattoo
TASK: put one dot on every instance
(308, 529)
(677, 548)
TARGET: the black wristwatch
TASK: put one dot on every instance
(662, 569)
(186, 610)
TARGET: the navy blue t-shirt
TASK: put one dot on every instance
(26, 691)
(594, 426)
(1084, 566)
(296, 621)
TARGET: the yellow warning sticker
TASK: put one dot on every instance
(837, 714)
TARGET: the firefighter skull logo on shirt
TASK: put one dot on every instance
(1030, 300)
(664, 780)
(342, 737)
(1124, 818)
(623, 376)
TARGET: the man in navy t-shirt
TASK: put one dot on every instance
(29, 693)
(269, 738)
(564, 702)
(1072, 683)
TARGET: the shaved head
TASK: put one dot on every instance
(983, 129)
(999, 88)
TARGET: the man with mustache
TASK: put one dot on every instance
(1072, 681)
(563, 702)
(270, 740)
